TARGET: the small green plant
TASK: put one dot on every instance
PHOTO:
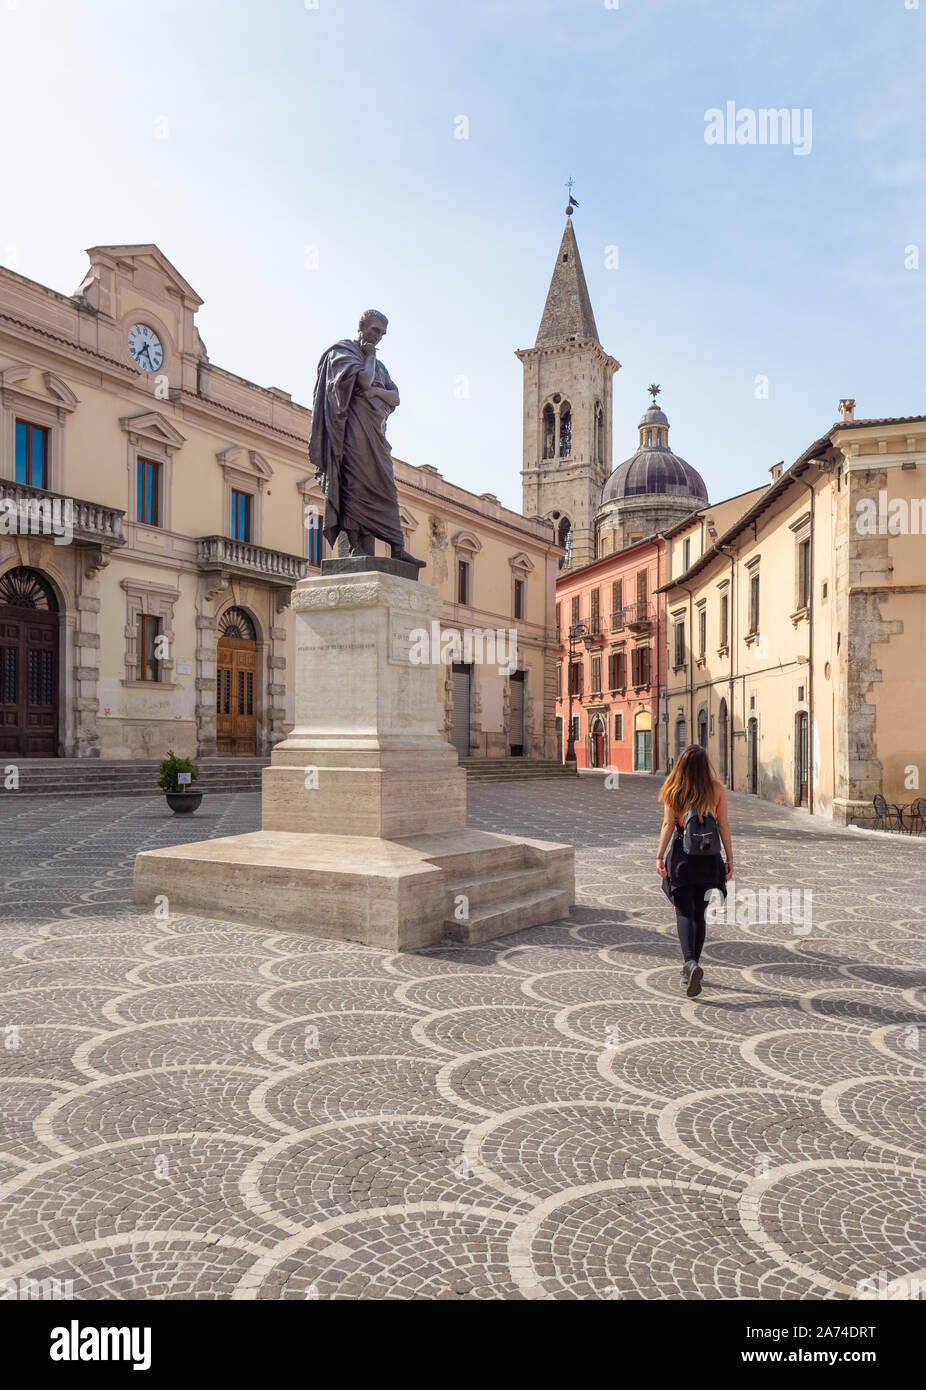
(170, 767)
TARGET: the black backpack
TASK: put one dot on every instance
(700, 834)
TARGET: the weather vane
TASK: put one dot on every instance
(570, 184)
(654, 391)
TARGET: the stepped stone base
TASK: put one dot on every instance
(463, 885)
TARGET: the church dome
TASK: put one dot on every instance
(654, 469)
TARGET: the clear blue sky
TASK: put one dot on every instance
(290, 127)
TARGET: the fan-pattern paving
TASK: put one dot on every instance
(200, 1109)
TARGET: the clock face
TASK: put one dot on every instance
(145, 347)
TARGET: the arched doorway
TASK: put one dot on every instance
(723, 736)
(643, 741)
(28, 665)
(236, 685)
(702, 728)
(597, 743)
(801, 758)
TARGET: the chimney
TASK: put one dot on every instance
(847, 410)
(776, 470)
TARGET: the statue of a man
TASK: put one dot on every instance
(354, 396)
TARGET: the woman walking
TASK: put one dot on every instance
(688, 860)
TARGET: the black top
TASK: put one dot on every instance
(683, 870)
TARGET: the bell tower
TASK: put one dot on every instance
(567, 409)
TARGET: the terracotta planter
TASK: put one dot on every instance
(183, 803)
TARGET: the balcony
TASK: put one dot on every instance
(44, 513)
(227, 556)
(638, 616)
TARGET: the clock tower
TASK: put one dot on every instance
(567, 409)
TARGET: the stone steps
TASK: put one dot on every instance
(136, 777)
(513, 769)
(496, 888)
(528, 910)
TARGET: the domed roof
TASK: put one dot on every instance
(654, 470)
(653, 416)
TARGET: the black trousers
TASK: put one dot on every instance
(690, 904)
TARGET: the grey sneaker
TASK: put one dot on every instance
(686, 973)
(695, 977)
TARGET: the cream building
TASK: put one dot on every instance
(156, 511)
(796, 624)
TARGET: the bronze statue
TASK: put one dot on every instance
(354, 396)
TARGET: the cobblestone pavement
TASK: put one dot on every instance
(197, 1109)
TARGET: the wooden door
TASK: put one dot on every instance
(516, 714)
(236, 697)
(28, 665)
(803, 759)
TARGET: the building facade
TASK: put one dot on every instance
(796, 635)
(611, 623)
(156, 511)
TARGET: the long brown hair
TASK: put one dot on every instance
(690, 784)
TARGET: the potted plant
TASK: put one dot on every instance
(181, 798)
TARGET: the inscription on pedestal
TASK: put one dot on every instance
(402, 630)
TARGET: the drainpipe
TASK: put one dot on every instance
(730, 632)
(688, 664)
(810, 605)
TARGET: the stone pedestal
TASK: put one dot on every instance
(363, 829)
(365, 756)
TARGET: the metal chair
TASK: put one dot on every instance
(916, 818)
(887, 817)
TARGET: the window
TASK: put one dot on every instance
(619, 728)
(559, 619)
(702, 632)
(641, 587)
(565, 430)
(596, 673)
(702, 728)
(640, 666)
(240, 515)
(681, 735)
(548, 431)
(680, 642)
(519, 598)
(314, 540)
(753, 604)
(686, 552)
(594, 623)
(575, 728)
(148, 631)
(559, 680)
(149, 492)
(803, 574)
(463, 578)
(599, 433)
(576, 674)
(617, 602)
(724, 619)
(575, 611)
(31, 454)
(617, 670)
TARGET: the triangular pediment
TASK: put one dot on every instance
(151, 425)
(521, 561)
(409, 522)
(146, 253)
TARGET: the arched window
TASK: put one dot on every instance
(235, 622)
(702, 727)
(565, 430)
(25, 588)
(562, 531)
(599, 432)
(549, 431)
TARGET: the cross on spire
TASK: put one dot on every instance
(570, 185)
